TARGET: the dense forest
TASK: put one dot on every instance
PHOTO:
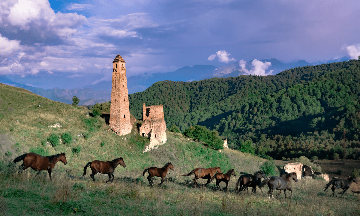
(312, 111)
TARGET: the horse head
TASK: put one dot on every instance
(119, 161)
(62, 158)
(170, 165)
(260, 174)
(293, 175)
(232, 172)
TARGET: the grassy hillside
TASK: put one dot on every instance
(25, 120)
(301, 111)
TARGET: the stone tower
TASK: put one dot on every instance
(119, 109)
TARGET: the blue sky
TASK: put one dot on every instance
(82, 38)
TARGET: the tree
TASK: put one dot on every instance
(75, 100)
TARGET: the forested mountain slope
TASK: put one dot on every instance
(301, 111)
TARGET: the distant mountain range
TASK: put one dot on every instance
(101, 92)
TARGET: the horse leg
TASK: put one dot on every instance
(344, 191)
(112, 174)
(208, 181)
(162, 180)
(150, 180)
(109, 178)
(284, 193)
(49, 171)
(333, 190)
(227, 182)
(92, 175)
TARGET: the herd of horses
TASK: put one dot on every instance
(282, 183)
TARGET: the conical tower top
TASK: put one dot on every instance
(118, 58)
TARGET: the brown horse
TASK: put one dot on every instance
(104, 167)
(39, 163)
(249, 180)
(281, 183)
(203, 173)
(159, 172)
(340, 183)
(223, 177)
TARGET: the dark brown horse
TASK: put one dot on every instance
(39, 163)
(249, 180)
(223, 177)
(340, 184)
(159, 172)
(203, 173)
(104, 167)
(281, 183)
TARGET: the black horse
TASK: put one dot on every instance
(340, 184)
(281, 183)
(249, 180)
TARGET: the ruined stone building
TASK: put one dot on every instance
(119, 109)
(153, 125)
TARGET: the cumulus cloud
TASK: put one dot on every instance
(353, 51)
(222, 55)
(258, 67)
(8, 46)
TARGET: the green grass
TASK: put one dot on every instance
(24, 193)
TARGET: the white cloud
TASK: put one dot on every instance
(258, 67)
(79, 7)
(212, 57)
(353, 51)
(8, 46)
(222, 55)
(75, 75)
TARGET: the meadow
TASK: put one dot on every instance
(25, 119)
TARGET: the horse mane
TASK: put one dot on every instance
(167, 164)
(52, 157)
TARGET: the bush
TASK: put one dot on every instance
(76, 150)
(66, 138)
(201, 133)
(174, 129)
(93, 124)
(356, 173)
(102, 144)
(8, 153)
(269, 168)
(39, 150)
(86, 135)
(304, 160)
(247, 147)
(54, 140)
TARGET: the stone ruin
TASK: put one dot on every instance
(226, 144)
(298, 169)
(153, 126)
(119, 109)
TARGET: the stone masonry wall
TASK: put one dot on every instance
(119, 109)
(153, 126)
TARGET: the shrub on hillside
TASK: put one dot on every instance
(76, 150)
(247, 147)
(269, 168)
(93, 124)
(66, 138)
(201, 133)
(54, 140)
(174, 129)
(356, 173)
(304, 160)
(39, 150)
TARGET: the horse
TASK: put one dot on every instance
(340, 184)
(281, 183)
(223, 177)
(249, 180)
(39, 163)
(204, 173)
(159, 172)
(104, 167)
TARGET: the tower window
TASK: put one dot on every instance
(124, 116)
(116, 65)
(124, 99)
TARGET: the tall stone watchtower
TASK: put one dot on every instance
(119, 109)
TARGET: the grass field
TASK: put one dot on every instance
(24, 126)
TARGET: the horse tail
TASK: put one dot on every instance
(145, 171)
(88, 164)
(328, 184)
(20, 158)
(237, 184)
(190, 173)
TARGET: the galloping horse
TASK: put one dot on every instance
(223, 177)
(103, 167)
(340, 183)
(39, 163)
(204, 173)
(159, 172)
(249, 180)
(281, 183)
